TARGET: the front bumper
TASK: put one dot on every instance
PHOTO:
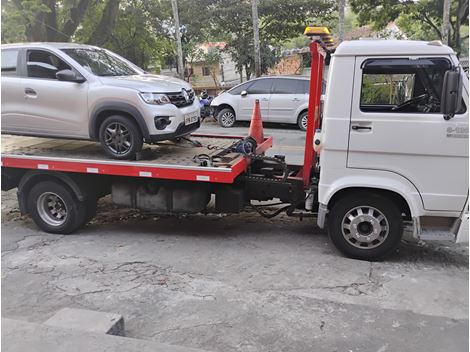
(181, 130)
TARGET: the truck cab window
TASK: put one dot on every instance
(43, 64)
(403, 85)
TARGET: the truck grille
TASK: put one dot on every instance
(179, 100)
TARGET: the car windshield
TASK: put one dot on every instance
(101, 63)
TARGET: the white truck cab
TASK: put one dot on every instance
(386, 145)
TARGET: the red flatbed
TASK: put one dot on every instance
(165, 160)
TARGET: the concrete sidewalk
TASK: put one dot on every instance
(20, 336)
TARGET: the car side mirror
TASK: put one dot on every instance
(69, 76)
(244, 93)
(451, 94)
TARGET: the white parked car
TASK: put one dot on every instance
(282, 99)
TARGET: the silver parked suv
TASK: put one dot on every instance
(282, 99)
(78, 91)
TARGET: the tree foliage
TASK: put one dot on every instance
(420, 19)
(143, 30)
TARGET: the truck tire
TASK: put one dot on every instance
(302, 121)
(120, 137)
(54, 208)
(226, 117)
(365, 227)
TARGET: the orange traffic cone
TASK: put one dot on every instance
(256, 125)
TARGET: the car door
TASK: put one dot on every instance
(260, 90)
(51, 107)
(12, 99)
(286, 98)
(413, 140)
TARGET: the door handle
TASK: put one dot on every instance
(296, 99)
(361, 128)
(264, 99)
(30, 93)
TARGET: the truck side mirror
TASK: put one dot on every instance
(69, 76)
(451, 94)
(244, 93)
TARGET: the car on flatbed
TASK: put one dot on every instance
(67, 90)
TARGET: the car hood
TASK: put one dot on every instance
(219, 99)
(148, 83)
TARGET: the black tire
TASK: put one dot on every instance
(368, 245)
(47, 199)
(302, 121)
(125, 141)
(226, 117)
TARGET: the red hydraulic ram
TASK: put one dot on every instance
(313, 118)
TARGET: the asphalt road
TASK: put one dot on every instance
(237, 283)
(288, 140)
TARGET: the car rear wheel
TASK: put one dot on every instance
(226, 117)
(120, 137)
(302, 121)
(366, 227)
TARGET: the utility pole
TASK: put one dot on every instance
(179, 49)
(254, 10)
(446, 22)
(341, 6)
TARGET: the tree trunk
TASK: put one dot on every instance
(341, 8)
(50, 22)
(254, 9)
(76, 16)
(179, 49)
(446, 22)
(105, 27)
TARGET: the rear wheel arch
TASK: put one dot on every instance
(31, 178)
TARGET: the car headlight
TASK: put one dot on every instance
(155, 98)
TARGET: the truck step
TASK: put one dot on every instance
(437, 235)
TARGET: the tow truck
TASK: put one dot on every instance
(388, 158)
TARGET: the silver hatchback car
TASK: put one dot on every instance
(67, 90)
(282, 99)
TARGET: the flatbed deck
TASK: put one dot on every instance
(166, 160)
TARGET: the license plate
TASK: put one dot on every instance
(191, 118)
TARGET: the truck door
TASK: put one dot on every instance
(396, 126)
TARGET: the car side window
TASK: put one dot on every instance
(9, 62)
(403, 85)
(261, 86)
(238, 89)
(43, 64)
(287, 86)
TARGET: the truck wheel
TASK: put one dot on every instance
(120, 137)
(302, 121)
(226, 117)
(365, 227)
(54, 208)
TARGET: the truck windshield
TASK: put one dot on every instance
(101, 63)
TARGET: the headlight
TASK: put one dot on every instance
(155, 98)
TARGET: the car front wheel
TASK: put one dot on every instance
(120, 137)
(226, 117)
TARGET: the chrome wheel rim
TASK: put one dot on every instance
(365, 227)
(303, 121)
(117, 138)
(52, 209)
(227, 118)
